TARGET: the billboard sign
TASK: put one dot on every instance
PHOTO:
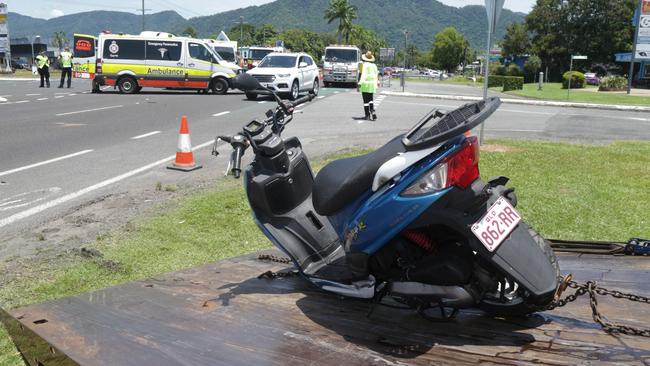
(386, 54)
(4, 31)
(642, 47)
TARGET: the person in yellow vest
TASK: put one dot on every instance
(43, 66)
(65, 60)
(368, 84)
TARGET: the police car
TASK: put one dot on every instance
(152, 59)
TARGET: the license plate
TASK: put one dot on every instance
(497, 224)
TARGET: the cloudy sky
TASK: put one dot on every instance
(187, 8)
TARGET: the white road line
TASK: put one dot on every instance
(220, 114)
(31, 95)
(89, 110)
(42, 99)
(145, 135)
(261, 102)
(6, 96)
(21, 101)
(44, 162)
(321, 97)
(59, 96)
(42, 207)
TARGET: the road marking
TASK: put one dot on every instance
(31, 95)
(21, 101)
(89, 110)
(6, 96)
(59, 96)
(42, 207)
(321, 97)
(42, 99)
(261, 102)
(145, 135)
(220, 114)
(44, 162)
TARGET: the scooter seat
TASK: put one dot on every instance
(338, 183)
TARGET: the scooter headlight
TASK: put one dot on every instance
(430, 182)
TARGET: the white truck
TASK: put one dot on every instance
(341, 64)
(255, 54)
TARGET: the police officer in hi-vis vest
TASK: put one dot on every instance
(65, 60)
(368, 84)
(43, 66)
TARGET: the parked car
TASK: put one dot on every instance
(591, 78)
(19, 65)
(388, 71)
(286, 73)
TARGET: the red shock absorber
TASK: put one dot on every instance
(420, 239)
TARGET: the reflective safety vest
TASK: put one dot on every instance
(42, 61)
(368, 79)
(66, 59)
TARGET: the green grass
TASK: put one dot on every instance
(456, 80)
(588, 192)
(554, 91)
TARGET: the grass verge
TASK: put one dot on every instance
(588, 192)
(554, 91)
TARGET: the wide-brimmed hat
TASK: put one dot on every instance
(368, 57)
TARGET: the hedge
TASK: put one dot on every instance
(613, 83)
(513, 83)
(495, 80)
(577, 80)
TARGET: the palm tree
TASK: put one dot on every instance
(59, 40)
(345, 13)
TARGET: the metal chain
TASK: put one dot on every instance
(273, 258)
(591, 288)
(272, 275)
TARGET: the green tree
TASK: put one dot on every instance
(596, 28)
(516, 41)
(365, 39)
(345, 13)
(265, 35)
(190, 32)
(449, 49)
(59, 40)
(305, 41)
(532, 66)
(244, 34)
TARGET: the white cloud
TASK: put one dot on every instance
(56, 13)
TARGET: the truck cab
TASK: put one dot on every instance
(341, 64)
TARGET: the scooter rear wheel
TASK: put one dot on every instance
(517, 304)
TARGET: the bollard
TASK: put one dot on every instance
(541, 80)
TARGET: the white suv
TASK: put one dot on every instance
(286, 73)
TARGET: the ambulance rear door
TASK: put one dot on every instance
(84, 56)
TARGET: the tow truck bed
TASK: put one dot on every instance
(222, 314)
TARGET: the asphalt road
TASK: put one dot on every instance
(60, 147)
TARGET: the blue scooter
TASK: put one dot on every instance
(411, 221)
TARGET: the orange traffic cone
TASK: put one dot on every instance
(184, 157)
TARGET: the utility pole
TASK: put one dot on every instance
(143, 15)
(406, 35)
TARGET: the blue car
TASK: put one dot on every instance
(637, 246)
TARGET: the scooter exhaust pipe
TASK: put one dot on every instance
(452, 296)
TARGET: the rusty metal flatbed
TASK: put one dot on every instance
(221, 314)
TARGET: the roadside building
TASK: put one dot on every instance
(641, 75)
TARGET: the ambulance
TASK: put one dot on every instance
(152, 59)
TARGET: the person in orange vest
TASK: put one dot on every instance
(368, 84)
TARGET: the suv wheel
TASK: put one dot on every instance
(295, 90)
(219, 86)
(127, 85)
(316, 88)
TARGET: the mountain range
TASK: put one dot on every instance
(388, 18)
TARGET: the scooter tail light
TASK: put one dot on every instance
(458, 170)
(463, 166)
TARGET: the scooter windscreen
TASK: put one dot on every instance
(438, 126)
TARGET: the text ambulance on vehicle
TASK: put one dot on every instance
(156, 59)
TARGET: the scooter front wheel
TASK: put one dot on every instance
(507, 300)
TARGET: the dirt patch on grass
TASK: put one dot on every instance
(499, 148)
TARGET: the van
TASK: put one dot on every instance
(84, 50)
(160, 60)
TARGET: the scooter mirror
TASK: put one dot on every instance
(246, 82)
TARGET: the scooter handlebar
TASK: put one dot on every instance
(237, 155)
